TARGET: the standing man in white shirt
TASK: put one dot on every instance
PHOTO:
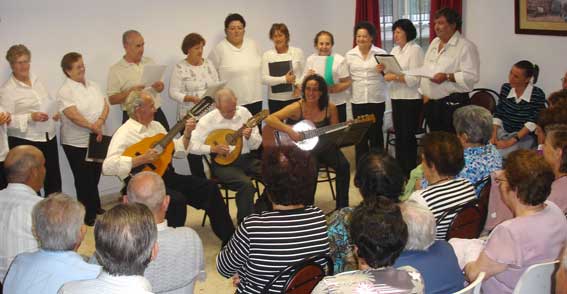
(125, 75)
(181, 259)
(456, 64)
(238, 174)
(25, 171)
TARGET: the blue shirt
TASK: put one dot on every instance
(479, 163)
(46, 271)
(438, 267)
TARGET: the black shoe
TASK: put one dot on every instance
(100, 211)
(90, 222)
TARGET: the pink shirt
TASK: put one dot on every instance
(523, 241)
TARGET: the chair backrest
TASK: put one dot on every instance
(537, 279)
(474, 287)
(303, 275)
(467, 223)
(485, 98)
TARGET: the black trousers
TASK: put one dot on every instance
(275, 105)
(341, 109)
(3, 182)
(52, 182)
(333, 157)
(374, 138)
(86, 176)
(159, 116)
(439, 113)
(254, 107)
(406, 116)
(201, 194)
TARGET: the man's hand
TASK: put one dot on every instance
(190, 125)
(39, 116)
(247, 132)
(158, 86)
(220, 149)
(150, 156)
(439, 78)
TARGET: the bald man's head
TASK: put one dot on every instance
(147, 188)
(226, 102)
(25, 164)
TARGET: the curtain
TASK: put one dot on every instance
(368, 10)
(457, 5)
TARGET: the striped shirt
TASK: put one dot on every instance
(444, 196)
(515, 112)
(266, 243)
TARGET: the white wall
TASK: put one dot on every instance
(94, 28)
(490, 25)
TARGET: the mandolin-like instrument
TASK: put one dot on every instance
(233, 138)
(162, 142)
(309, 132)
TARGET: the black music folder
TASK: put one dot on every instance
(278, 69)
(96, 151)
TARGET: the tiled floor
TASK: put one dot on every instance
(214, 282)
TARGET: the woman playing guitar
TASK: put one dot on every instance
(315, 107)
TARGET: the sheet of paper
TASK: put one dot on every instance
(390, 63)
(212, 89)
(319, 63)
(421, 72)
(50, 107)
(152, 73)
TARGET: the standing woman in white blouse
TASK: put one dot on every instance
(334, 70)
(368, 86)
(189, 81)
(33, 114)
(406, 101)
(238, 61)
(282, 52)
(85, 110)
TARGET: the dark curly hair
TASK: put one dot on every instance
(529, 175)
(289, 175)
(407, 26)
(324, 99)
(556, 136)
(234, 17)
(451, 15)
(378, 174)
(444, 151)
(378, 231)
(368, 26)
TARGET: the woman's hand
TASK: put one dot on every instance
(235, 280)
(380, 68)
(189, 98)
(290, 77)
(39, 116)
(295, 136)
(310, 72)
(503, 144)
(5, 118)
(391, 77)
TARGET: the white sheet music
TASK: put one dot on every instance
(421, 72)
(152, 73)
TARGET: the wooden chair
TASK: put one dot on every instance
(467, 223)
(537, 279)
(485, 97)
(303, 276)
(474, 287)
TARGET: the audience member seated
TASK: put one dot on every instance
(58, 226)
(268, 242)
(181, 260)
(25, 171)
(473, 125)
(126, 242)
(379, 235)
(557, 97)
(564, 81)
(377, 174)
(434, 259)
(555, 153)
(536, 234)
(561, 274)
(442, 160)
(517, 110)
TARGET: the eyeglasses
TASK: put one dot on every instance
(500, 180)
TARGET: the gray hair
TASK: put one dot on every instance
(421, 225)
(126, 35)
(475, 122)
(20, 161)
(134, 100)
(224, 93)
(124, 239)
(57, 222)
(147, 188)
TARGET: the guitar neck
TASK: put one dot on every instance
(320, 131)
(178, 127)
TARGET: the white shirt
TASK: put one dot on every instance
(526, 96)
(180, 261)
(340, 71)
(20, 100)
(123, 75)
(89, 101)
(4, 148)
(16, 205)
(297, 60)
(368, 86)
(240, 68)
(187, 79)
(409, 57)
(215, 121)
(459, 57)
(108, 284)
(129, 133)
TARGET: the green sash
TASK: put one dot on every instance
(329, 70)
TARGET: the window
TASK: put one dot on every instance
(415, 10)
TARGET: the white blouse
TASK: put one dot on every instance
(297, 61)
(368, 86)
(409, 57)
(340, 71)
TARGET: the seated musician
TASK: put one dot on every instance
(315, 106)
(236, 176)
(197, 192)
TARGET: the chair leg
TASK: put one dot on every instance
(331, 182)
(387, 141)
(226, 199)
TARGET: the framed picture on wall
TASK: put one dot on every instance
(541, 17)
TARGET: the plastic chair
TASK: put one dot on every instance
(485, 97)
(537, 279)
(303, 276)
(467, 223)
(474, 287)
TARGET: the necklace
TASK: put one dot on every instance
(440, 180)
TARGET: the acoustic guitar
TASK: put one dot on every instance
(309, 132)
(230, 138)
(162, 142)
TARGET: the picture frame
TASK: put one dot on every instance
(541, 17)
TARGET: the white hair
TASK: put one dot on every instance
(421, 225)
